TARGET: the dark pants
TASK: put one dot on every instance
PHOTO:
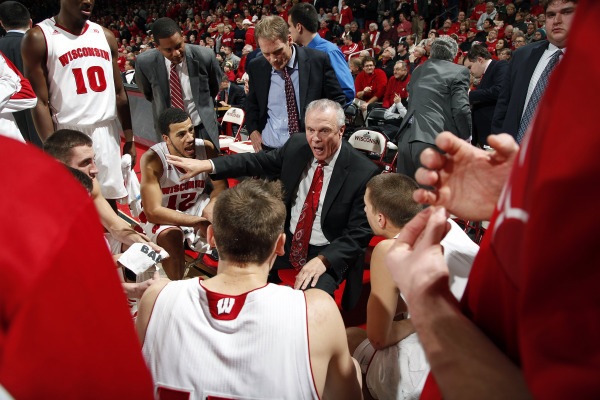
(327, 282)
(409, 156)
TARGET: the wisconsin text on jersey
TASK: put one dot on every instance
(183, 186)
(83, 52)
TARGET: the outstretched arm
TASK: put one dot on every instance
(464, 361)
(466, 180)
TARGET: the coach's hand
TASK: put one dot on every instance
(310, 273)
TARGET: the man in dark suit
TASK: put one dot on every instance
(526, 67)
(196, 71)
(231, 94)
(438, 101)
(340, 231)
(312, 78)
(483, 99)
(128, 75)
(15, 19)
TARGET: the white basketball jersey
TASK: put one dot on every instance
(210, 345)
(186, 196)
(80, 71)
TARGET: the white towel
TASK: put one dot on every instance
(132, 184)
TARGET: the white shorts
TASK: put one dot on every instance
(396, 372)
(107, 146)
(195, 242)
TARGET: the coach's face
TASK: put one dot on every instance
(277, 52)
(173, 48)
(322, 133)
(83, 158)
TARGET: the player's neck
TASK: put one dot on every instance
(234, 279)
(73, 26)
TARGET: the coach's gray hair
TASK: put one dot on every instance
(326, 104)
(444, 48)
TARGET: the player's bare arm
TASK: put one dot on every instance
(383, 303)
(123, 110)
(146, 305)
(329, 355)
(218, 185)
(115, 225)
(34, 65)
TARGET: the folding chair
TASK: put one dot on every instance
(233, 116)
(375, 117)
(375, 145)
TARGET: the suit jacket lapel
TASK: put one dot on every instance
(338, 177)
(192, 65)
(163, 76)
(302, 156)
(303, 75)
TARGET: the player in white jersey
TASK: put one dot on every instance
(72, 66)
(15, 95)
(236, 337)
(389, 352)
(174, 209)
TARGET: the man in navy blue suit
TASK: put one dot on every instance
(483, 100)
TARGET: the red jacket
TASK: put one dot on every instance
(377, 81)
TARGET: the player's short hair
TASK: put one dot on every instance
(272, 27)
(82, 178)
(169, 117)
(60, 143)
(478, 50)
(164, 28)
(326, 104)
(391, 195)
(14, 15)
(305, 14)
(247, 220)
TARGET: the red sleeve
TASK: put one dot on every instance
(65, 329)
(380, 83)
(388, 97)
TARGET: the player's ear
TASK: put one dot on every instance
(280, 245)
(210, 236)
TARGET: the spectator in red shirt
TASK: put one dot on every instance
(491, 41)
(447, 28)
(397, 85)
(324, 30)
(462, 17)
(374, 35)
(242, 65)
(249, 33)
(227, 39)
(477, 11)
(404, 27)
(350, 47)
(370, 83)
(345, 14)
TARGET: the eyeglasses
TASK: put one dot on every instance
(519, 41)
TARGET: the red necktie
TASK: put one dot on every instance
(290, 99)
(299, 249)
(175, 86)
